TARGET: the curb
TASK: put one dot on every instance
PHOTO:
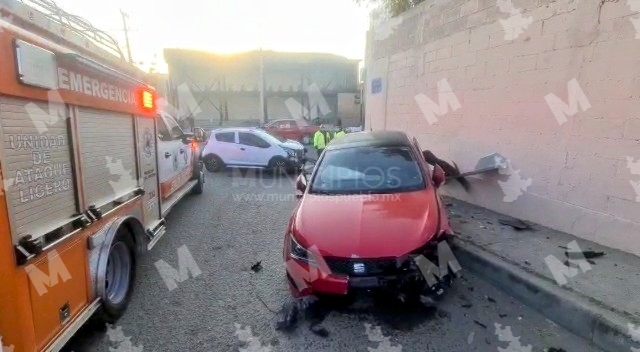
(577, 313)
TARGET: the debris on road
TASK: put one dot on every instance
(288, 316)
(490, 299)
(319, 330)
(257, 266)
(516, 224)
(467, 305)
(585, 254)
(503, 315)
(553, 349)
(480, 324)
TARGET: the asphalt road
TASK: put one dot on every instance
(229, 228)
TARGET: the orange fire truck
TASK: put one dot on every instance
(89, 167)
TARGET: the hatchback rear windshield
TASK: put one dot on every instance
(367, 170)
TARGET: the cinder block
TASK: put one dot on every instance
(474, 71)
(557, 59)
(625, 208)
(460, 49)
(451, 14)
(444, 53)
(469, 7)
(442, 65)
(632, 127)
(535, 45)
(523, 63)
(477, 19)
(430, 56)
(497, 39)
(478, 41)
(558, 23)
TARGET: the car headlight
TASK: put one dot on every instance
(290, 152)
(299, 252)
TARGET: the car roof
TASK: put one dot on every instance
(234, 129)
(371, 139)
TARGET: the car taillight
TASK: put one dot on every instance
(194, 146)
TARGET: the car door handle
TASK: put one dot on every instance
(181, 151)
(242, 149)
(167, 155)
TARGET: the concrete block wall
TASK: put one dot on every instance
(580, 179)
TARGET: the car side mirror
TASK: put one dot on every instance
(438, 176)
(187, 138)
(301, 185)
(199, 134)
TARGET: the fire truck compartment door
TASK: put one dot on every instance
(36, 165)
(107, 145)
(147, 160)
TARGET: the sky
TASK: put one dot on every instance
(228, 26)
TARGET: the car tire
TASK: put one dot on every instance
(119, 277)
(213, 163)
(278, 165)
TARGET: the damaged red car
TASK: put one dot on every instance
(369, 207)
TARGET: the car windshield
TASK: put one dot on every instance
(367, 170)
(271, 137)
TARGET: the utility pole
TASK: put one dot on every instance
(262, 97)
(126, 34)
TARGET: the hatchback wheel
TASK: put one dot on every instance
(278, 165)
(213, 163)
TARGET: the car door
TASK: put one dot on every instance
(226, 147)
(290, 130)
(254, 150)
(174, 157)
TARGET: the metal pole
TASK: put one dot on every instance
(126, 34)
(262, 97)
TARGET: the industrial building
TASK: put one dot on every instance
(249, 88)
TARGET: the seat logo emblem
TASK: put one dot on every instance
(358, 268)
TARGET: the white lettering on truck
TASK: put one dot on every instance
(77, 82)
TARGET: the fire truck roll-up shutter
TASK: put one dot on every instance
(36, 165)
(107, 146)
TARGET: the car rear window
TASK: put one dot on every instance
(227, 137)
(367, 170)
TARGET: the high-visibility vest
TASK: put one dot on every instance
(319, 140)
(339, 134)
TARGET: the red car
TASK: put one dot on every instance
(298, 130)
(369, 207)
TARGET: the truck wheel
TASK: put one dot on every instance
(199, 187)
(119, 276)
(213, 163)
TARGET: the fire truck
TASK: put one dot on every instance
(90, 169)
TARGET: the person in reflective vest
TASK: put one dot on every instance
(320, 140)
